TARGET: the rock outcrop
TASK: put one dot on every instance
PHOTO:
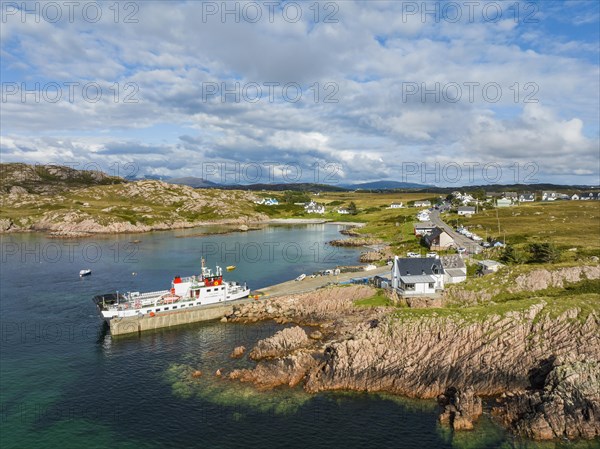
(542, 279)
(460, 409)
(289, 370)
(422, 356)
(567, 406)
(313, 308)
(238, 351)
(280, 344)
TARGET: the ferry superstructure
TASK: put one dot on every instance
(185, 293)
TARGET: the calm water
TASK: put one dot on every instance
(67, 384)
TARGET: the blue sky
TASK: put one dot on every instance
(373, 88)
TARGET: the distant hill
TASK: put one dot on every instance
(298, 187)
(386, 185)
(519, 188)
(192, 181)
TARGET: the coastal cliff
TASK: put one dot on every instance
(521, 348)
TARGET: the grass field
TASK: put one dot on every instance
(392, 226)
(567, 224)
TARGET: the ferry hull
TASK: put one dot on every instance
(112, 306)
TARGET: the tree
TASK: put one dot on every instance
(479, 194)
(512, 255)
(544, 252)
(352, 208)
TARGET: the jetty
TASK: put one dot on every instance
(139, 324)
(309, 284)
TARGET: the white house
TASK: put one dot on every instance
(587, 196)
(504, 202)
(424, 228)
(466, 210)
(575, 197)
(527, 197)
(343, 211)
(489, 266)
(268, 201)
(396, 206)
(314, 208)
(455, 270)
(423, 203)
(549, 196)
(418, 276)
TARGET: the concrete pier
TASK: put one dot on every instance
(131, 325)
(309, 284)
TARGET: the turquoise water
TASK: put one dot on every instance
(67, 384)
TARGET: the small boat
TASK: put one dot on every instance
(231, 268)
(83, 273)
(135, 241)
(301, 277)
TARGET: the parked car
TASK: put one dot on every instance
(461, 250)
(431, 255)
(486, 244)
(413, 255)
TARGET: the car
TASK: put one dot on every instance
(413, 255)
(486, 244)
(431, 255)
(461, 250)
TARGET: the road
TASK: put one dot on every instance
(309, 284)
(461, 241)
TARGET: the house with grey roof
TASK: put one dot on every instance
(455, 270)
(549, 196)
(466, 210)
(527, 197)
(418, 276)
(438, 239)
(424, 228)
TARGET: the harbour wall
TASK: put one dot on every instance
(131, 325)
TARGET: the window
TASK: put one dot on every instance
(158, 310)
(174, 307)
(208, 290)
(166, 308)
(198, 303)
(431, 285)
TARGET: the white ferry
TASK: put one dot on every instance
(185, 293)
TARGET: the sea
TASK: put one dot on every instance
(66, 383)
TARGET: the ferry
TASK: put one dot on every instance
(185, 293)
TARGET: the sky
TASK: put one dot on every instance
(340, 92)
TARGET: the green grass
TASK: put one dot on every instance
(376, 300)
(567, 224)
(555, 306)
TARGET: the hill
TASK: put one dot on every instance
(70, 202)
(386, 185)
(49, 179)
(194, 182)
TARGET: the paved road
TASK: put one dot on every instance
(310, 284)
(461, 240)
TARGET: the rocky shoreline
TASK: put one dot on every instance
(541, 366)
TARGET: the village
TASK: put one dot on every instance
(446, 249)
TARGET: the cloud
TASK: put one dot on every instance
(353, 75)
